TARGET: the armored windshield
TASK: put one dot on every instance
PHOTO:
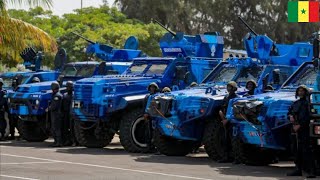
(250, 73)
(304, 76)
(7, 82)
(79, 71)
(137, 68)
(156, 69)
(225, 74)
(69, 71)
(86, 71)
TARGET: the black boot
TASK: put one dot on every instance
(296, 172)
(2, 138)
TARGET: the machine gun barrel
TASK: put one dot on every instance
(88, 40)
(171, 32)
(245, 23)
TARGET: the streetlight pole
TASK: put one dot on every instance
(81, 4)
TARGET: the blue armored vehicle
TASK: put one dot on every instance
(104, 105)
(183, 120)
(32, 63)
(30, 101)
(261, 127)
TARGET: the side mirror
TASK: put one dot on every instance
(276, 76)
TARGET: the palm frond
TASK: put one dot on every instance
(17, 35)
(31, 3)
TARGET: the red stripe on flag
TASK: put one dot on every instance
(313, 11)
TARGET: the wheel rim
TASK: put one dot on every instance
(138, 132)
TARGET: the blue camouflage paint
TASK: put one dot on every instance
(32, 99)
(275, 126)
(191, 108)
(98, 97)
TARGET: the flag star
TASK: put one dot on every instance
(303, 11)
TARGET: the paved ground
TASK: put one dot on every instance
(30, 161)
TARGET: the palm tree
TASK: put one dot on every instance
(15, 35)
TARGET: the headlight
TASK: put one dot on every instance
(317, 130)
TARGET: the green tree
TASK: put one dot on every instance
(104, 25)
(265, 17)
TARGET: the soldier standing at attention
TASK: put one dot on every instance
(68, 123)
(153, 88)
(56, 116)
(251, 85)
(3, 109)
(13, 120)
(299, 115)
(232, 89)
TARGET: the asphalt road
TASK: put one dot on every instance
(31, 161)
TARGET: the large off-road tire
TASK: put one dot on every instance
(93, 134)
(251, 155)
(210, 139)
(133, 132)
(173, 147)
(33, 131)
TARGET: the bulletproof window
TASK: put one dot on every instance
(69, 71)
(284, 74)
(225, 75)
(251, 73)
(86, 71)
(7, 82)
(303, 52)
(308, 77)
(137, 68)
(181, 72)
(156, 69)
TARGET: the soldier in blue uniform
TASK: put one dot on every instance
(68, 123)
(299, 115)
(153, 88)
(3, 109)
(56, 114)
(226, 144)
(251, 85)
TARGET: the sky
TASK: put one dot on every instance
(67, 6)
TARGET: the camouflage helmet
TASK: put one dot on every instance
(193, 84)
(35, 80)
(155, 85)
(69, 84)
(1, 81)
(305, 88)
(166, 89)
(55, 86)
(233, 85)
(253, 82)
